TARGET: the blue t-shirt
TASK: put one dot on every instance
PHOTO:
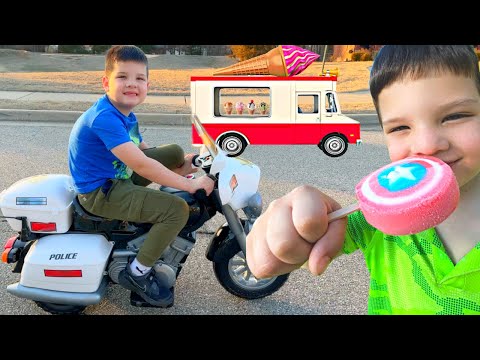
(95, 133)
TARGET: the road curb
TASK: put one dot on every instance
(72, 116)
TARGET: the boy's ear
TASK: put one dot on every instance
(105, 83)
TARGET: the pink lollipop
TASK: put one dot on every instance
(406, 196)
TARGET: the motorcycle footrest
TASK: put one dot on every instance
(136, 300)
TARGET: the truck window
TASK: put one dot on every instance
(237, 101)
(307, 104)
(330, 105)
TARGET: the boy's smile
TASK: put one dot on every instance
(127, 85)
(437, 116)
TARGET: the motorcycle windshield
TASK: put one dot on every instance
(206, 139)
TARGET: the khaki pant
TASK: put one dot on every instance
(130, 200)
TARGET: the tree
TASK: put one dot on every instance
(245, 52)
(147, 49)
(342, 52)
(193, 49)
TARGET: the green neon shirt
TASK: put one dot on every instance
(413, 274)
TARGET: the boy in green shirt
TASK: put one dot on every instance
(428, 102)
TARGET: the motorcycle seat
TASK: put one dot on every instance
(80, 210)
(85, 221)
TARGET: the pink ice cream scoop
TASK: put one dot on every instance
(297, 59)
(239, 105)
(406, 196)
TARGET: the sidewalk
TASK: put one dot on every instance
(69, 97)
(146, 118)
(71, 116)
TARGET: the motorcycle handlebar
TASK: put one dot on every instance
(201, 194)
(195, 162)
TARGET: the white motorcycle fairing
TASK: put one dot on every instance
(43, 199)
(67, 262)
(239, 179)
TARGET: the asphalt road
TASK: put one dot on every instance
(31, 148)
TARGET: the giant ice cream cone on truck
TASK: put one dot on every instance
(284, 60)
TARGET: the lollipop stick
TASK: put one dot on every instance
(340, 213)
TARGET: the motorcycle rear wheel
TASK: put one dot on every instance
(235, 276)
(60, 309)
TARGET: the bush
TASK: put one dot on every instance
(100, 49)
(72, 49)
(362, 56)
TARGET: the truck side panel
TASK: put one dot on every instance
(281, 134)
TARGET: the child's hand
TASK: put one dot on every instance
(294, 229)
(203, 182)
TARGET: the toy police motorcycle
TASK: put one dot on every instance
(67, 257)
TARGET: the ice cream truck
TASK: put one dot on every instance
(240, 110)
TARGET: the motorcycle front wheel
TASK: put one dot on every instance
(235, 277)
(60, 309)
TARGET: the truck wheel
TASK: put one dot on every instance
(334, 145)
(234, 275)
(232, 144)
(60, 309)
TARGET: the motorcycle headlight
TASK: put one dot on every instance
(255, 205)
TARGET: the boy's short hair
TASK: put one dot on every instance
(124, 53)
(397, 62)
